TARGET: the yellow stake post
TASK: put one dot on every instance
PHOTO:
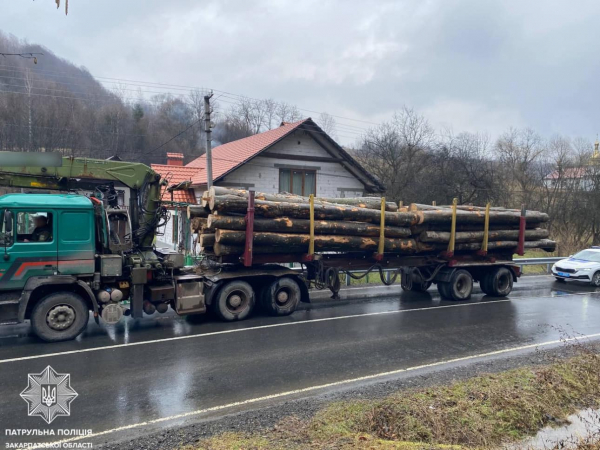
(381, 247)
(486, 228)
(311, 244)
(453, 228)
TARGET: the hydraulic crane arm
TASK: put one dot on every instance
(84, 173)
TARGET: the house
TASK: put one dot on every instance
(298, 157)
(582, 177)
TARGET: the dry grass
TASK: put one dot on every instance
(482, 412)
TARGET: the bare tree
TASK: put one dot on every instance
(397, 153)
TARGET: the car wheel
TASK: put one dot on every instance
(596, 279)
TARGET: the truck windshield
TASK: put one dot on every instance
(587, 255)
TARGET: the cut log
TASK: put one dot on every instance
(197, 211)
(207, 240)
(322, 242)
(197, 223)
(444, 217)
(204, 199)
(230, 203)
(477, 236)
(418, 229)
(290, 225)
(422, 207)
(362, 202)
(544, 244)
(224, 250)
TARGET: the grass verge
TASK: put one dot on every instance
(480, 413)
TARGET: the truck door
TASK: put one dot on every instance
(76, 242)
(31, 249)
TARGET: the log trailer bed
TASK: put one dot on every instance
(231, 281)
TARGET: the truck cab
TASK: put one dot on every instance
(43, 239)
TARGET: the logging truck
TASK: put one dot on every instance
(67, 255)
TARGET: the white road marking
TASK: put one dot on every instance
(275, 325)
(239, 330)
(314, 388)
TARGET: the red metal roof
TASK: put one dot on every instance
(176, 175)
(228, 156)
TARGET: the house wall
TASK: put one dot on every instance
(262, 174)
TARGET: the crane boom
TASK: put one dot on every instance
(86, 173)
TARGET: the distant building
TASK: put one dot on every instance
(582, 177)
(299, 158)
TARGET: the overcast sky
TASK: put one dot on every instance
(473, 65)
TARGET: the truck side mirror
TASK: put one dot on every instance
(8, 221)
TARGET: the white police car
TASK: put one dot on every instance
(583, 266)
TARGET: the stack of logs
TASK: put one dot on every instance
(282, 225)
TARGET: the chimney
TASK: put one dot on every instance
(174, 159)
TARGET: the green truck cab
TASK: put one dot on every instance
(46, 240)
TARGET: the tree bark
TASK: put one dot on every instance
(544, 244)
(233, 204)
(207, 240)
(323, 243)
(194, 211)
(290, 225)
(224, 250)
(477, 236)
(444, 217)
(362, 202)
(197, 224)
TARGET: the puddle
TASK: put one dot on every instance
(583, 425)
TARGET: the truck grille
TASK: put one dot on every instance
(560, 269)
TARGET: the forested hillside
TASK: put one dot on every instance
(55, 105)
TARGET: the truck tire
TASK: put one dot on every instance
(460, 285)
(235, 301)
(499, 282)
(418, 286)
(442, 288)
(60, 316)
(281, 297)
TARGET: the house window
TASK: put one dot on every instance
(299, 182)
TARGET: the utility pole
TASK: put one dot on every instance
(208, 131)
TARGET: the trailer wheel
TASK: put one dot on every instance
(281, 297)
(235, 301)
(419, 286)
(460, 285)
(61, 316)
(442, 288)
(498, 282)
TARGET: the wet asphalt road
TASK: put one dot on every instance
(157, 368)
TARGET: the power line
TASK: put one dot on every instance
(150, 84)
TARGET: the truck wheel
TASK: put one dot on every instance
(443, 289)
(235, 301)
(281, 297)
(484, 284)
(460, 285)
(419, 286)
(499, 282)
(61, 316)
